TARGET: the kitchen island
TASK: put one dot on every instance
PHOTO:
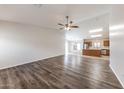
(92, 52)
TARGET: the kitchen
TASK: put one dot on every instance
(96, 47)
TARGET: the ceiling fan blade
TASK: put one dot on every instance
(74, 26)
(61, 28)
(60, 24)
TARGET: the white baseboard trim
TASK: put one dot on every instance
(39, 59)
(116, 76)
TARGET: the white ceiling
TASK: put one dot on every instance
(49, 15)
(97, 22)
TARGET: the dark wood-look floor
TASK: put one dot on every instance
(61, 72)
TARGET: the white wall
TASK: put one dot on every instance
(117, 41)
(20, 44)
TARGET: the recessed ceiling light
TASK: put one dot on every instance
(96, 30)
(116, 27)
(98, 35)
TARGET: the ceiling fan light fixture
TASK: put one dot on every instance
(67, 28)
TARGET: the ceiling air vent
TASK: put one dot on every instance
(38, 5)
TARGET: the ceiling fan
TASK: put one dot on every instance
(68, 26)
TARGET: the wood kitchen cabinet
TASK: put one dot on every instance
(91, 52)
(88, 43)
(106, 43)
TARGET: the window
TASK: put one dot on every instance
(97, 44)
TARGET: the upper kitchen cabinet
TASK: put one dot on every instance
(106, 42)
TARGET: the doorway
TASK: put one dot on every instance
(74, 47)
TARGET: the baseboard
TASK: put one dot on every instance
(23, 63)
(117, 76)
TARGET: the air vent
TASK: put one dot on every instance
(38, 5)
